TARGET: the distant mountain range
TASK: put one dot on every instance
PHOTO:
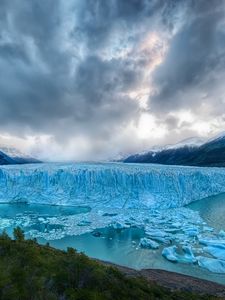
(10, 155)
(190, 152)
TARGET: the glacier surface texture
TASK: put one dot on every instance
(109, 185)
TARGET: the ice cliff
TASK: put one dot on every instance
(109, 185)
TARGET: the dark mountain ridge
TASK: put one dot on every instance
(209, 154)
(5, 159)
(12, 156)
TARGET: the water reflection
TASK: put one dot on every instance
(212, 210)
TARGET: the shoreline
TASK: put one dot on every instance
(173, 281)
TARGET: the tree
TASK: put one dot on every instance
(18, 234)
(4, 235)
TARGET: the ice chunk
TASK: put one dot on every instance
(119, 225)
(207, 228)
(157, 233)
(109, 214)
(171, 230)
(148, 243)
(216, 251)
(171, 254)
(176, 225)
(222, 233)
(191, 231)
(4, 223)
(69, 225)
(84, 223)
(211, 264)
(189, 254)
(162, 240)
(211, 242)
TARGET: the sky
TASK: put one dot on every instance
(96, 79)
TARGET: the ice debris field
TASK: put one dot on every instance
(122, 196)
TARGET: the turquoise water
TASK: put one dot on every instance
(212, 210)
(118, 246)
(121, 247)
(11, 210)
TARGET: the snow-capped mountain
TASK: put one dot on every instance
(193, 152)
(189, 142)
(5, 159)
(11, 155)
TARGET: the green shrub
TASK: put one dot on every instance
(18, 234)
(29, 271)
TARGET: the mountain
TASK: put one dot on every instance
(191, 152)
(5, 159)
(11, 155)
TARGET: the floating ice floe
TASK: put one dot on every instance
(217, 251)
(207, 228)
(222, 233)
(84, 223)
(212, 242)
(170, 253)
(170, 226)
(148, 243)
(156, 233)
(118, 225)
(191, 231)
(212, 264)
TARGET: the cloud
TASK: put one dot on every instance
(76, 74)
(195, 55)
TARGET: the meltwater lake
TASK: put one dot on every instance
(141, 216)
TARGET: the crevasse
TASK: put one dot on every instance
(109, 185)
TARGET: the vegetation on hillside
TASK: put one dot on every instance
(31, 271)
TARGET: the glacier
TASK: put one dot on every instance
(121, 196)
(110, 185)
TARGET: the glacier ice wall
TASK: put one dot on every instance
(109, 185)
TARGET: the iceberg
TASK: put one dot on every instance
(208, 228)
(148, 243)
(118, 225)
(84, 223)
(170, 253)
(222, 233)
(156, 233)
(191, 231)
(217, 251)
(114, 185)
(212, 264)
(189, 254)
(212, 242)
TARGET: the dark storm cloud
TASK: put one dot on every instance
(28, 94)
(97, 19)
(42, 90)
(39, 98)
(61, 75)
(196, 51)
